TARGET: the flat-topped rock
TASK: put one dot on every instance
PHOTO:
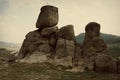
(48, 17)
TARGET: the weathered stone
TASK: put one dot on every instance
(49, 31)
(33, 36)
(95, 46)
(89, 62)
(48, 17)
(67, 32)
(88, 50)
(64, 52)
(46, 48)
(5, 56)
(36, 57)
(92, 29)
(99, 44)
(60, 48)
(105, 63)
(64, 47)
(30, 44)
(77, 55)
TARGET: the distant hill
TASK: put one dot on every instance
(11, 46)
(108, 38)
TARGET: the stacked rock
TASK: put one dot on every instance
(42, 41)
(92, 44)
(59, 47)
(49, 43)
(95, 50)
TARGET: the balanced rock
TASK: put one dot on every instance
(105, 63)
(48, 17)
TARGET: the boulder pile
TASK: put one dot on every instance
(48, 43)
(59, 47)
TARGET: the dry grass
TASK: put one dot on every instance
(22, 71)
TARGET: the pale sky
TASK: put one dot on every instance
(18, 17)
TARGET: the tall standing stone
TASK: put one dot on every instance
(92, 45)
(48, 17)
(92, 30)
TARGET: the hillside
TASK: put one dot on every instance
(108, 38)
(11, 46)
(112, 41)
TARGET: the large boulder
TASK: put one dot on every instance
(105, 63)
(48, 17)
(92, 29)
(67, 32)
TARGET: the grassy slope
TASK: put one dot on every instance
(21, 71)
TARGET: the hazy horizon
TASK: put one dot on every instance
(17, 18)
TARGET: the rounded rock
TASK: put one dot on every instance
(48, 17)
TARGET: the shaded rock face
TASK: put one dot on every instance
(92, 30)
(105, 63)
(48, 17)
(93, 45)
(48, 43)
(59, 47)
(67, 32)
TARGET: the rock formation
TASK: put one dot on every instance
(48, 43)
(59, 47)
(92, 45)
(48, 17)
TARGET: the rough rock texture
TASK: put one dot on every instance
(48, 31)
(59, 47)
(67, 32)
(92, 30)
(105, 63)
(34, 41)
(92, 45)
(64, 52)
(48, 17)
(5, 56)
